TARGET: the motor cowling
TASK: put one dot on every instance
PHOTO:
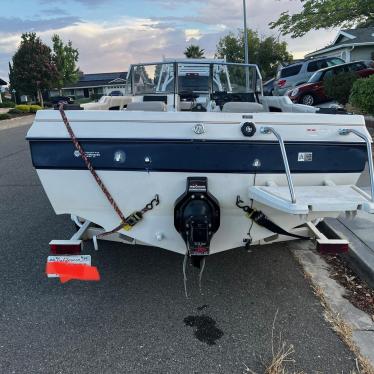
(197, 216)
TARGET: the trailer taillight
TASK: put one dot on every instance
(332, 246)
(66, 247)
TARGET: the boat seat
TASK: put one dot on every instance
(242, 107)
(147, 106)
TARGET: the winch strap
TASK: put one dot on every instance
(89, 166)
(262, 220)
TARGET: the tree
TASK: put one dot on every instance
(32, 69)
(64, 57)
(267, 52)
(323, 14)
(194, 51)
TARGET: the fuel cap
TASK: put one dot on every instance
(248, 129)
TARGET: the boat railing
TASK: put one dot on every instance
(369, 153)
(268, 130)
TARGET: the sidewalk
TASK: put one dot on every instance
(16, 122)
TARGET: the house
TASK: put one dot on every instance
(99, 83)
(350, 45)
(2, 83)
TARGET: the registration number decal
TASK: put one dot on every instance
(305, 157)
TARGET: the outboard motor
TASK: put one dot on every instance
(197, 216)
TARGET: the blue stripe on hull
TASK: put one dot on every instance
(200, 156)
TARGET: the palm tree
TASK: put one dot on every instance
(194, 51)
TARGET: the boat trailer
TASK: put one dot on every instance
(89, 231)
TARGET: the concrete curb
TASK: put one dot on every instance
(16, 122)
(361, 323)
(360, 255)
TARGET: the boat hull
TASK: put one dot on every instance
(75, 192)
(141, 154)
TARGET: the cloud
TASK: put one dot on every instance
(54, 11)
(84, 2)
(19, 25)
(113, 45)
(193, 34)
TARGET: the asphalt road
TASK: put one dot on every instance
(137, 319)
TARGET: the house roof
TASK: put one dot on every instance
(355, 36)
(348, 38)
(99, 79)
(2, 82)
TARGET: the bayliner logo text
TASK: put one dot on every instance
(88, 154)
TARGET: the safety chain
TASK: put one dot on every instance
(247, 209)
(151, 205)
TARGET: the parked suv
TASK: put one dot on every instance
(313, 92)
(298, 73)
(57, 99)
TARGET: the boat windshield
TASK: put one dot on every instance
(192, 77)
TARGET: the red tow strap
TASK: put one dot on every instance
(89, 166)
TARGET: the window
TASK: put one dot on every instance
(316, 77)
(328, 74)
(289, 71)
(321, 64)
(334, 61)
(356, 66)
(340, 69)
(317, 65)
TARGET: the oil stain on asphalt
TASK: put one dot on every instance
(205, 328)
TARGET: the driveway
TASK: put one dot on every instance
(137, 319)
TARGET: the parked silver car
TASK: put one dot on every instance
(298, 73)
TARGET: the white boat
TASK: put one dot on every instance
(229, 166)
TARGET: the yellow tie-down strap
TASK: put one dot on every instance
(132, 220)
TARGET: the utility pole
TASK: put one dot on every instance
(245, 33)
(246, 58)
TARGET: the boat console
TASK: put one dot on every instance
(221, 98)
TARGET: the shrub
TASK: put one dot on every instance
(7, 104)
(362, 96)
(15, 111)
(4, 116)
(35, 108)
(96, 97)
(24, 108)
(339, 87)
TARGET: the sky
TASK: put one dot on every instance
(111, 34)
